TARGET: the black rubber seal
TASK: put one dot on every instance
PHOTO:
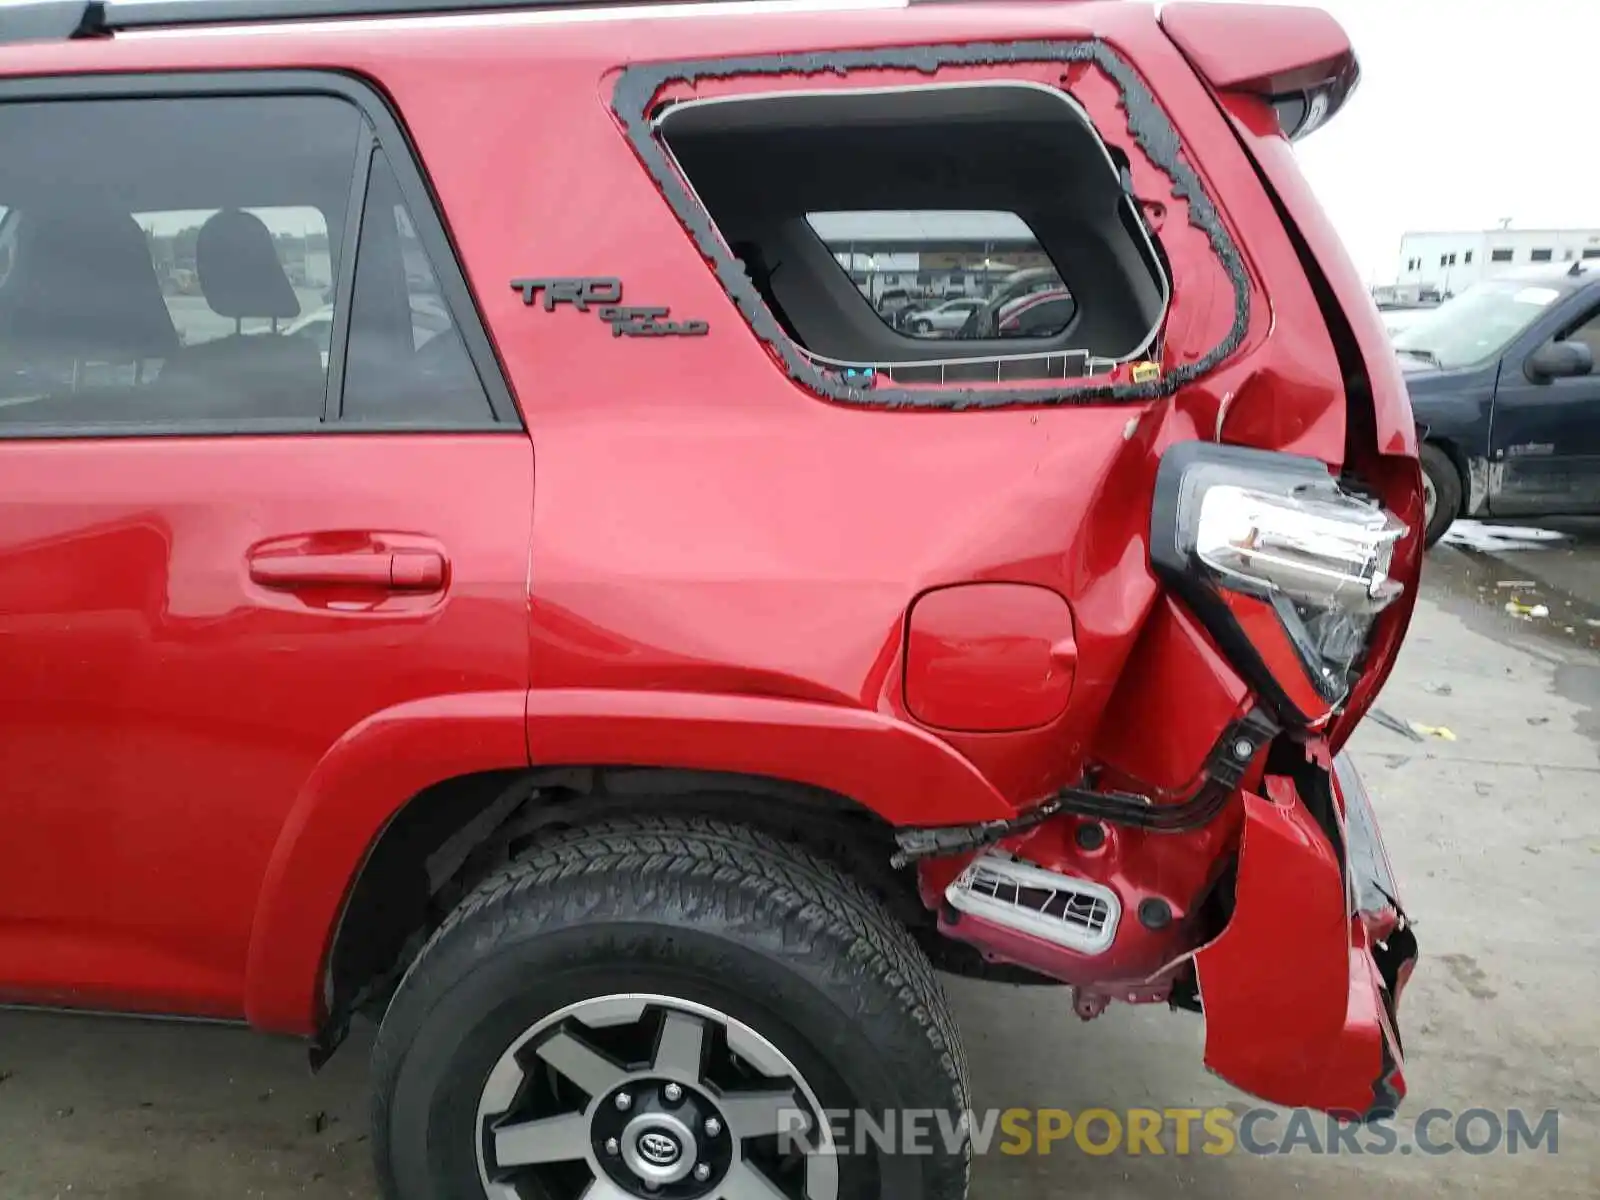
(638, 87)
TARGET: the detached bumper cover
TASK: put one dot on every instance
(1302, 988)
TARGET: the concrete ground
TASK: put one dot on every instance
(1495, 836)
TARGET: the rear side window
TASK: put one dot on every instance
(180, 264)
(163, 251)
(300, 245)
(956, 234)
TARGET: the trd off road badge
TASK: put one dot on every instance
(604, 296)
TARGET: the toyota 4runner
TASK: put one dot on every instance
(478, 550)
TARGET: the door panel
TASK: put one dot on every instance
(190, 622)
(186, 627)
(1546, 436)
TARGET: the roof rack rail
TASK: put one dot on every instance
(45, 21)
(59, 20)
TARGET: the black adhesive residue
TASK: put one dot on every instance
(638, 86)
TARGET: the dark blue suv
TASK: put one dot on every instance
(1507, 401)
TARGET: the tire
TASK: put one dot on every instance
(713, 922)
(1446, 482)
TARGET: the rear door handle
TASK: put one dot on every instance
(391, 571)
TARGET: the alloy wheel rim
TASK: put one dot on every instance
(649, 1097)
(1430, 498)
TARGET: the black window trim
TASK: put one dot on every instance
(344, 288)
(382, 129)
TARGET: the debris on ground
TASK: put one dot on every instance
(1526, 611)
(1518, 583)
(1439, 689)
(1434, 731)
(1394, 724)
(1474, 535)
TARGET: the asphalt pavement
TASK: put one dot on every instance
(1486, 780)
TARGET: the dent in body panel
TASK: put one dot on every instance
(1485, 480)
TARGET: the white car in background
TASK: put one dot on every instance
(948, 317)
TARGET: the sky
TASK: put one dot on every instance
(1468, 112)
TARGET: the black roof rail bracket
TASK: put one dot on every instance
(52, 21)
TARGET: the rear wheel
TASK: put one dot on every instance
(666, 1009)
(1442, 489)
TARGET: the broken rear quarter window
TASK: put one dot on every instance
(939, 274)
(1210, 299)
(911, 232)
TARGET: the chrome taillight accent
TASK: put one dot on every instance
(1287, 568)
(1322, 547)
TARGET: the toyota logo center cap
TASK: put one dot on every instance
(659, 1149)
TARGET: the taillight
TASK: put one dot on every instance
(1287, 568)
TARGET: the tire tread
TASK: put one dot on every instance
(757, 882)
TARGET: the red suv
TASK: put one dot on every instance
(474, 553)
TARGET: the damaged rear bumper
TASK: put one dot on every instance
(1301, 990)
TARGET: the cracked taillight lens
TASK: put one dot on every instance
(1287, 568)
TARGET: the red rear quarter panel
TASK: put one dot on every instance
(705, 528)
